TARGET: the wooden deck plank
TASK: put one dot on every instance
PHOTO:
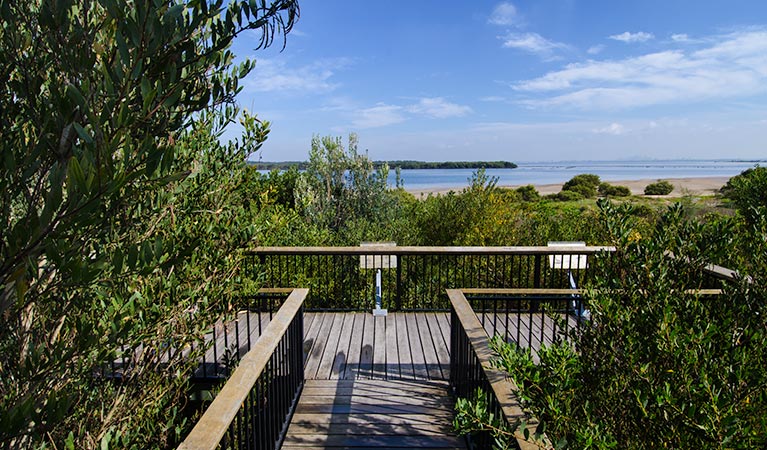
(342, 351)
(392, 353)
(373, 414)
(427, 344)
(318, 346)
(379, 347)
(355, 345)
(331, 348)
(403, 348)
(416, 349)
(366, 351)
(310, 335)
(440, 346)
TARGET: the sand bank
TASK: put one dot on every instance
(682, 186)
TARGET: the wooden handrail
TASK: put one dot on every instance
(504, 389)
(210, 429)
(410, 250)
(561, 292)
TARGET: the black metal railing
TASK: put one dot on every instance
(253, 409)
(471, 373)
(531, 318)
(415, 278)
(219, 350)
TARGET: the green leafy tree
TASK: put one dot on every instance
(118, 203)
(341, 185)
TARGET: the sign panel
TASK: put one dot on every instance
(567, 262)
(378, 261)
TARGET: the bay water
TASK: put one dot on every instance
(557, 172)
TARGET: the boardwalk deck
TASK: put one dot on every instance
(373, 413)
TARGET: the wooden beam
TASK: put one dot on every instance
(209, 430)
(407, 250)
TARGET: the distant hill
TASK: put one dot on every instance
(282, 165)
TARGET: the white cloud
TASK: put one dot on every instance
(595, 49)
(438, 108)
(614, 129)
(632, 37)
(276, 76)
(533, 43)
(732, 66)
(380, 115)
(680, 37)
(504, 14)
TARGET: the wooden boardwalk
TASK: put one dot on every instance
(399, 346)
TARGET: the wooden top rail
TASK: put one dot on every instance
(407, 250)
(504, 389)
(563, 292)
(209, 430)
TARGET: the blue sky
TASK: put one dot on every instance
(534, 80)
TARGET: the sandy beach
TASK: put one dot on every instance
(682, 186)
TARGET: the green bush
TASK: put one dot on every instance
(586, 184)
(662, 187)
(748, 191)
(528, 193)
(658, 366)
(608, 190)
(567, 196)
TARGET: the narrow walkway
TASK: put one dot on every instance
(373, 414)
(375, 382)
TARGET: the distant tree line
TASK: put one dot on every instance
(303, 165)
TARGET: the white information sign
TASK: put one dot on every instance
(568, 262)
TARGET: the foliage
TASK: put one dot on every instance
(662, 187)
(341, 185)
(748, 191)
(658, 366)
(122, 210)
(566, 196)
(585, 184)
(609, 190)
(528, 193)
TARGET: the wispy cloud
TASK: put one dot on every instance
(533, 43)
(680, 37)
(614, 129)
(276, 75)
(380, 115)
(438, 108)
(731, 66)
(632, 37)
(504, 14)
(595, 49)
(385, 114)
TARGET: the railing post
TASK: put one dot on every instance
(533, 305)
(398, 299)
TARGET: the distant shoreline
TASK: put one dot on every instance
(401, 164)
(682, 186)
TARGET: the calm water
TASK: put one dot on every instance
(561, 171)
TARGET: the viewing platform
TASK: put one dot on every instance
(315, 368)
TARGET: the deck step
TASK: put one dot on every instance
(373, 414)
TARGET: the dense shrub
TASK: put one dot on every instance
(528, 193)
(658, 366)
(586, 184)
(748, 191)
(662, 187)
(609, 190)
(567, 196)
